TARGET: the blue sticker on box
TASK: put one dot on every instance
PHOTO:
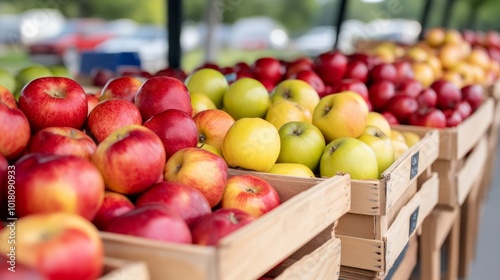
(413, 221)
(414, 165)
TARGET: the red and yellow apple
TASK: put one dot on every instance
(113, 205)
(14, 128)
(124, 87)
(212, 127)
(62, 141)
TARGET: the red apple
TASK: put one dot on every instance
(410, 87)
(152, 221)
(369, 60)
(100, 76)
(453, 117)
(14, 130)
(200, 169)
(268, 68)
(356, 69)
(427, 98)
(110, 115)
(268, 84)
(251, 194)
(464, 109)
(92, 101)
(402, 106)
(56, 246)
(176, 129)
(215, 226)
(298, 65)
(212, 126)
(131, 159)
(178, 74)
(160, 93)
(62, 141)
(353, 85)
(492, 39)
(380, 93)
(121, 87)
(4, 179)
(113, 205)
(448, 94)
(67, 183)
(7, 98)
(404, 70)
(384, 72)
(242, 67)
(474, 95)
(310, 77)
(209, 65)
(331, 66)
(430, 117)
(54, 101)
(390, 118)
(187, 201)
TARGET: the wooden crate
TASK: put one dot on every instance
(321, 263)
(403, 268)
(309, 208)
(115, 269)
(379, 255)
(441, 228)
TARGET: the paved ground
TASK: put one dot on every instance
(487, 262)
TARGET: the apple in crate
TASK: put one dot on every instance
(220, 223)
(383, 72)
(200, 169)
(124, 87)
(160, 93)
(251, 143)
(62, 141)
(6, 97)
(356, 69)
(212, 126)
(402, 106)
(251, 194)
(67, 184)
(380, 93)
(344, 155)
(341, 115)
(92, 101)
(310, 77)
(14, 128)
(353, 85)
(246, 98)
(187, 201)
(378, 120)
(284, 111)
(302, 143)
(54, 101)
(427, 98)
(110, 115)
(297, 65)
(410, 87)
(474, 95)
(113, 205)
(268, 68)
(200, 102)
(131, 159)
(292, 169)
(381, 145)
(153, 221)
(448, 94)
(176, 129)
(68, 240)
(297, 91)
(331, 66)
(210, 82)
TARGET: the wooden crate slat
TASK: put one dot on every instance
(472, 170)
(362, 253)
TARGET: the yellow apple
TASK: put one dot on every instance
(417, 54)
(341, 115)
(450, 55)
(381, 145)
(251, 143)
(349, 155)
(397, 136)
(423, 73)
(284, 111)
(436, 66)
(480, 57)
(201, 102)
(378, 120)
(210, 82)
(291, 169)
(400, 147)
(298, 91)
(465, 71)
(211, 148)
(411, 138)
(246, 98)
(454, 77)
(453, 36)
(435, 37)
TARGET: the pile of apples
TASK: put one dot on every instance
(128, 164)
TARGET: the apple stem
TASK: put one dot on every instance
(332, 149)
(286, 94)
(73, 133)
(297, 131)
(233, 219)
(326, 110)
(250, 190)
(201, 138)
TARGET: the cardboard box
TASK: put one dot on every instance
(309, 207)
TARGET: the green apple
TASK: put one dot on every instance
(210, 148)
(201, 102)
(60, 71)
(400, 147)
(251, 143)
(284, 111)
(378, 120)
(8, 80)
(210, 82)
(29, 73)
(349, 155)
(340, 115)
(298, 91)
(291, 169)
(411, 138)
(381, 145)
(301, 142)
(246, 98)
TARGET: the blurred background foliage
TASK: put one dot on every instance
(296, 15)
